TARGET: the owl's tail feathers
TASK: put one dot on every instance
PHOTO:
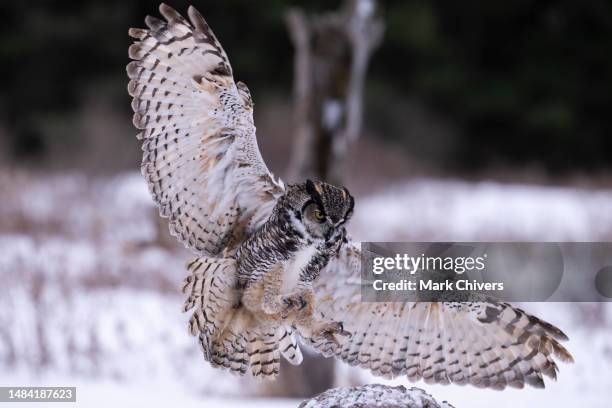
(265, 347)
(230, 336)
(288, 345)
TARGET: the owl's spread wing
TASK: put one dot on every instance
(200, 158)
(486, 344)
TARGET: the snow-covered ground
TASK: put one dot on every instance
(104, 392)
(451, 210)
(89, 294)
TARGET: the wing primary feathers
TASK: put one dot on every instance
(205, 34)
(200, 154)
(155, 23)
(171, 15)
(488, 344)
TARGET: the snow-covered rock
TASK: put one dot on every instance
(374, 395)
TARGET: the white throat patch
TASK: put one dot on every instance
(293, 268)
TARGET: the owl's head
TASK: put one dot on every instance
(325, 209)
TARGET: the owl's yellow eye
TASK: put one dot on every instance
(319, 215)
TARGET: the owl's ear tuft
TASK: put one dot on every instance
(314, 191)
(351, 205)
(311, 189)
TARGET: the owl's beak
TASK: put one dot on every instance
(332, 234)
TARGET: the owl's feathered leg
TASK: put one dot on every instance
(308, 326)
(266, 296)
(272, 281)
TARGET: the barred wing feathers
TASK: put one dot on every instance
(200, 154)
(486, 344)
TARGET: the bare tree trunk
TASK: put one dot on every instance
(331, 57)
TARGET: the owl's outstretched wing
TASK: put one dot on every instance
(201, 158)
(486, 344)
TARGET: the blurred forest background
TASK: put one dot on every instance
(482, 121)
(460, 87)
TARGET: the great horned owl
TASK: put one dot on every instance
(274, 262)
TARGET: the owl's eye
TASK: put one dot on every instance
(319, 215)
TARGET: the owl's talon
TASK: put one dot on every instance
(329, 331)
(295, 301)
(343, 332)
(286, 308)
(302, 303)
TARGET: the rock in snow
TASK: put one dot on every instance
(374, 395)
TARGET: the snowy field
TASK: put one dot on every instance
(90, 288)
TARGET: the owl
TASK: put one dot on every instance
(274, 264)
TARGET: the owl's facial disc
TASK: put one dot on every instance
(328, 209)
(315, 220)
